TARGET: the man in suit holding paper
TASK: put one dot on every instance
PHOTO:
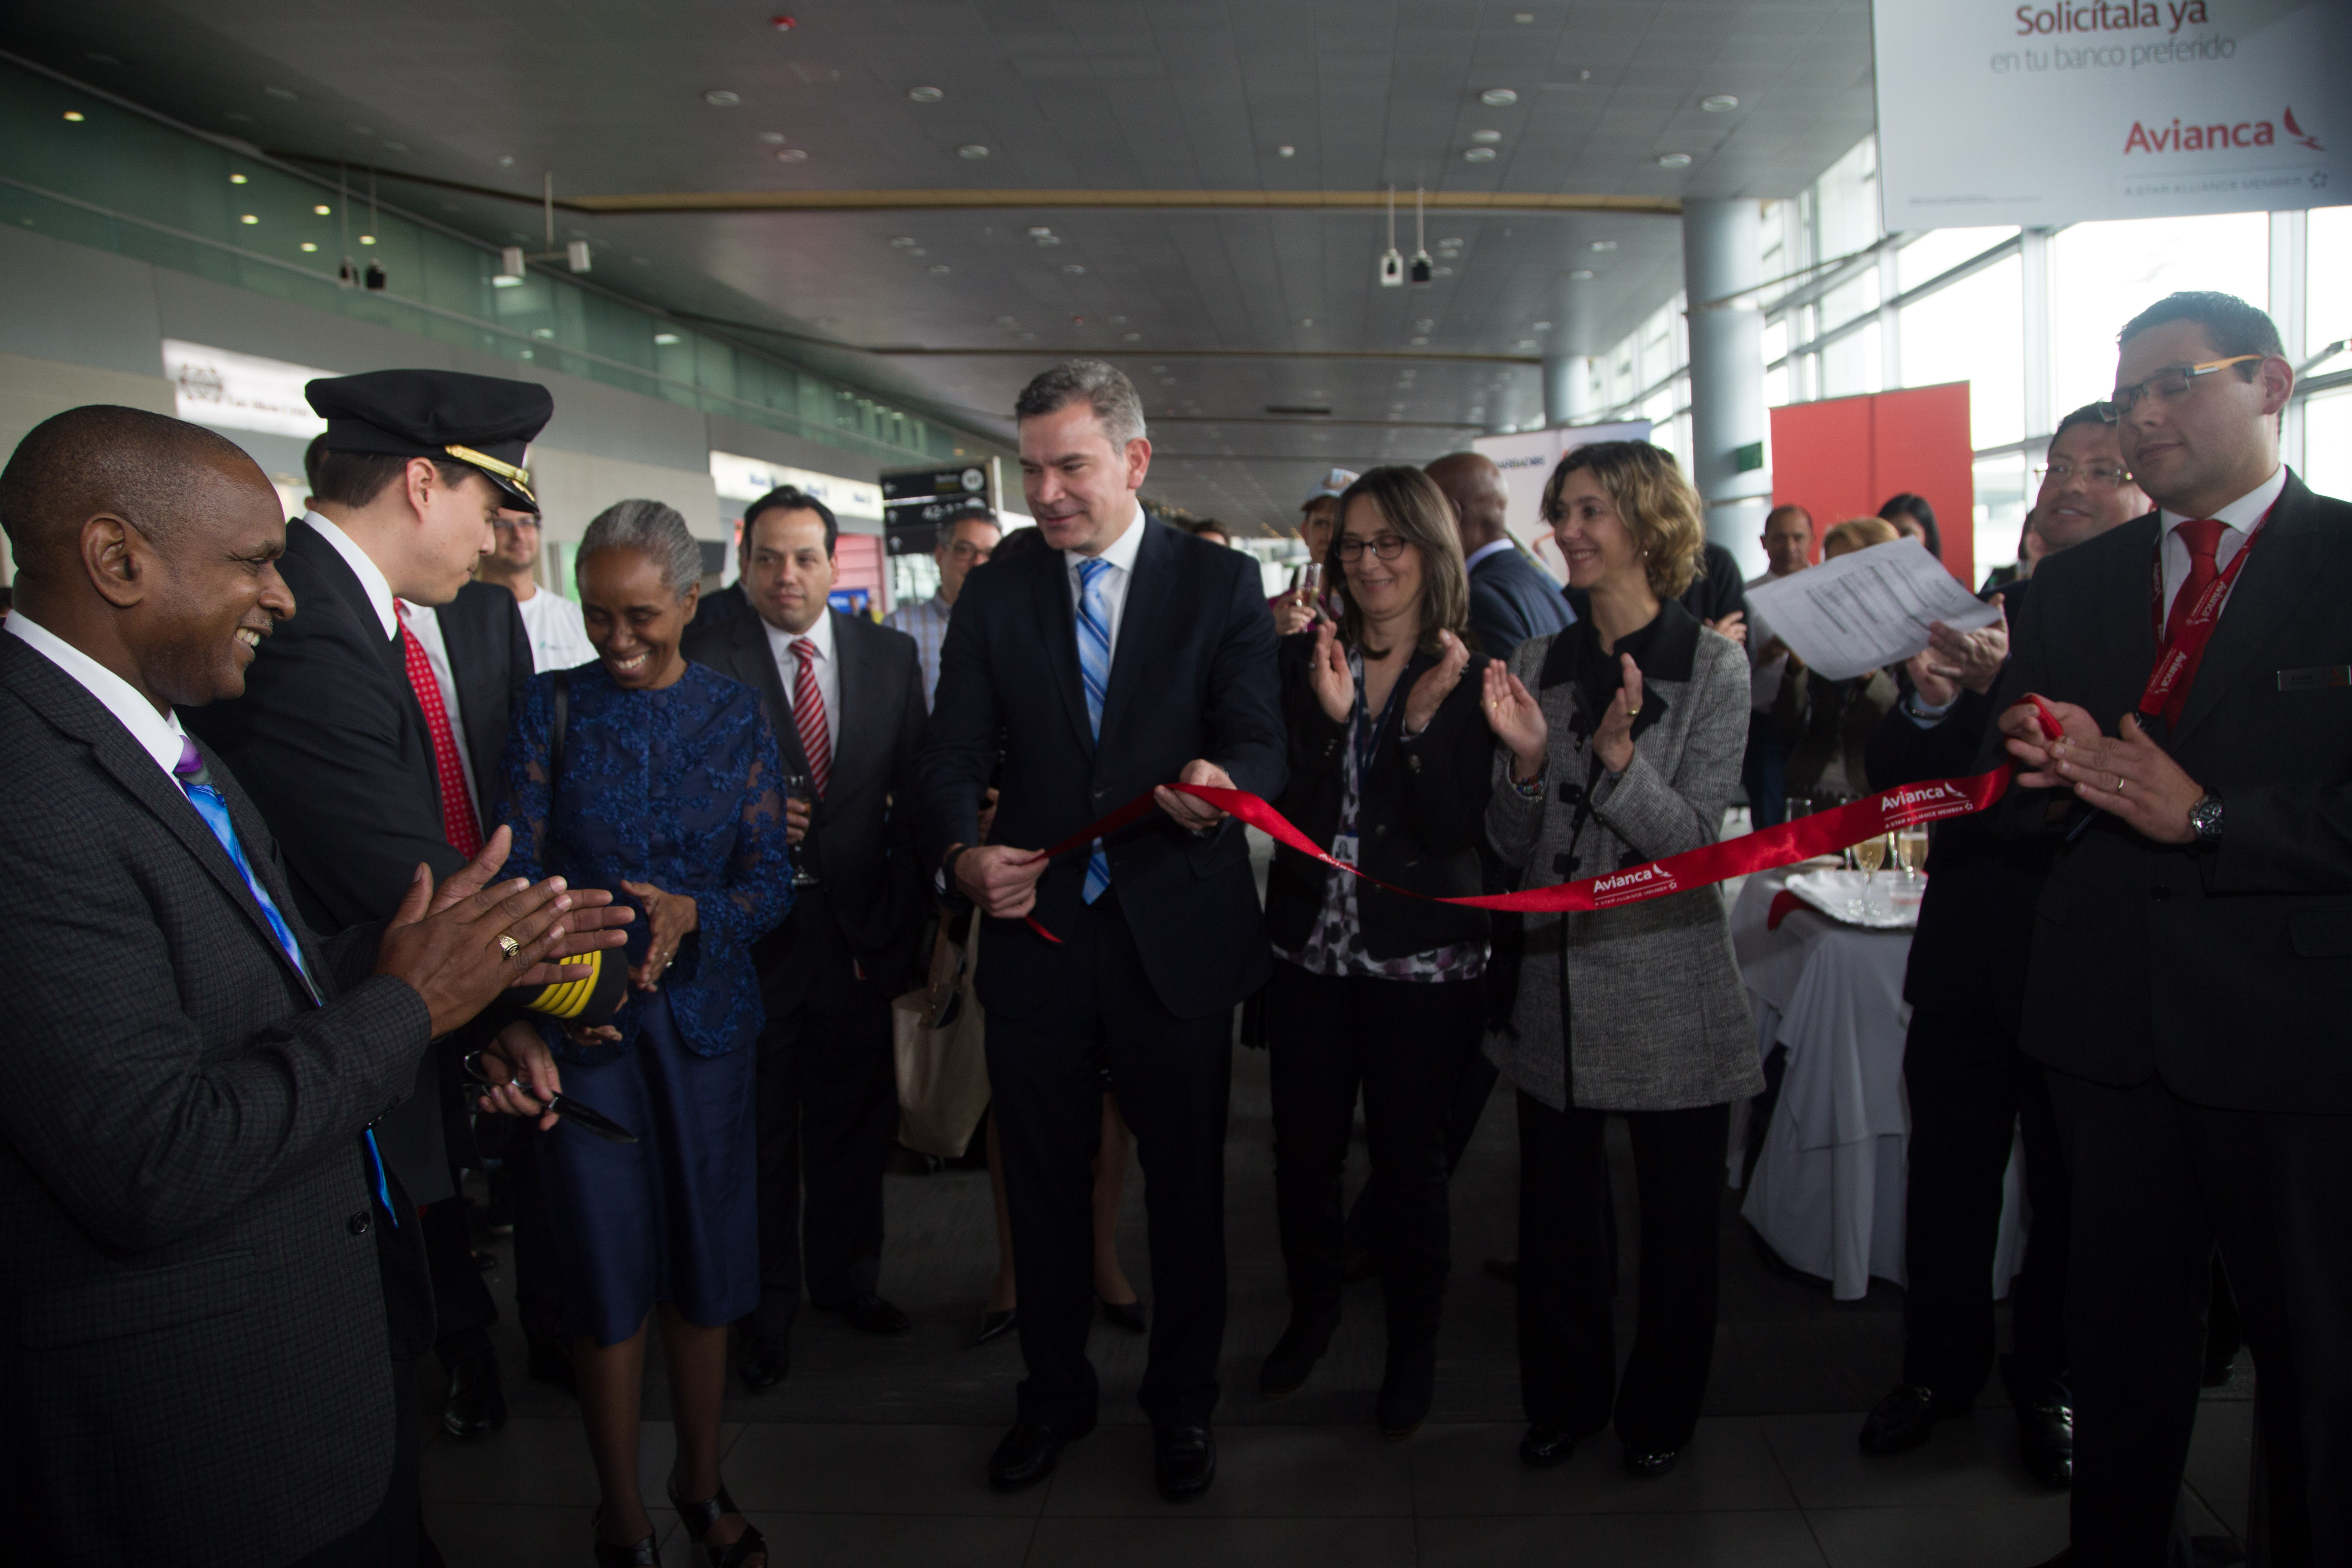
(189, 1182)
(2189, 984)
(1128, 657)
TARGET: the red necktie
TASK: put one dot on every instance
(458, 823)
(808, 716)
(2202, 535)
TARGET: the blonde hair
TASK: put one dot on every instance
(1654, 501)
(1410, 502)
(1858, 533)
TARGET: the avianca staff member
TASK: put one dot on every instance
(2190, 987)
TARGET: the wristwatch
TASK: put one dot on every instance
(2205, 816)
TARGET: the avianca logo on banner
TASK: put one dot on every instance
(2180, 138)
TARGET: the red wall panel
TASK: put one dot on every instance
(1844, 457)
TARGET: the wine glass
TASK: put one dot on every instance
(1911, 851)
(801, 788)
(1870, 855)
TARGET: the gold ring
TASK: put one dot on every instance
(509, 945)
(1635, 711)
(2119, 783)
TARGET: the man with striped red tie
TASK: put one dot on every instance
(846, 700)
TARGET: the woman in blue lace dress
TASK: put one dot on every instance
(666, 789)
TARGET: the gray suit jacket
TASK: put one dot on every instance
(1646, 997)
(194, 1350)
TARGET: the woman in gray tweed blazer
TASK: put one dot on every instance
(1620, 743)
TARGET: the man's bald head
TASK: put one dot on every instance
(1481, 500)
(149, 469)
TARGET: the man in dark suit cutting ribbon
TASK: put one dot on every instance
(1128, 657)
(189, 1184)
(2189, 982)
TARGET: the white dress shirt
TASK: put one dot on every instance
(158, 733)
(424, 623)
(1121, 557)
(371, 578)
(1492, 547)
(2239, 520)
(927, 623)
(558, 637)
(828, 671)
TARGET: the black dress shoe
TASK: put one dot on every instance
(1901, 1421)
(1544, 1447)
(1294, 1355)
(1183, 1461)
(1128, 1315)
(2045, 1441)
(870, 1314)
(763, 1362)
(996, 1325)
(475, 1406)
(1407, 1390)
(1029, 1453)
(1649, 1465)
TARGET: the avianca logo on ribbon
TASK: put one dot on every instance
(1626, 887)
(2179, 138)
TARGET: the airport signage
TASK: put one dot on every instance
(917, 503)
(2059, 111)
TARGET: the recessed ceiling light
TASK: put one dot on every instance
(1443, 272)
(308, 245)
(902, 240)
(1485, 136)
(248, 217)
(1007, 321)
(75, 115)
(1119, 320)
(1423, 325)
(1039, 231)
(322, 209)
(720, 98)
(972, 150)
(542, 332)
(1307, 322)
(1159, 370)
(506, 160)
(1028, 337)
(1074, 267)
(367, 239)
(1420, 342)
(1523, 18)
(925, 94)
(791, 154)
(505, 280)
(1602, 244)
(1286, 151)
(772, 137)
(1498, 97)
(1673, 161)
(1479, 155)
(1719, 103)
(236, 179)
(1582, 275)
(1539, 327)
(286, 93)
(1049, 240)
(1135, 337)
(939, 269)
(918, 250)
(665, 339)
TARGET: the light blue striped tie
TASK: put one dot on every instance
(1094, 666)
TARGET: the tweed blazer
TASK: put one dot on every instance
(1638, 1008)
(192, 1352)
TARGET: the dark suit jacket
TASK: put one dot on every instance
(720, 607)
(1718, 589)
(1193, 676)
(1976, 924)
(2227, 970)
(194, 1346)
(332, 739)
(861, 842)
(1421, 819)
(1511, 600)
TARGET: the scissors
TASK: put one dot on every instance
(587, 1117)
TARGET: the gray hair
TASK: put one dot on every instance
(653, 529)
(1105, 388)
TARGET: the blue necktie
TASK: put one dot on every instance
(196, 781)
(1094, 665)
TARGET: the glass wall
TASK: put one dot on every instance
(2028, 319)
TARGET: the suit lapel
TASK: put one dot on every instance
(1141, 619)
(854, 678)
(1050, 592)
(755, 666)
(2272, 583)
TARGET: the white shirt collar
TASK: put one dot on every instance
(2244, 513)
(1121, 551)
(158, 734)
(372, 581)
(1493, 547)
(779, 641)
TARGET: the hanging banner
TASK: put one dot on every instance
(2058, 111)
(1527, 457)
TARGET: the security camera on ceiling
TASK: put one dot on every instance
(1422, 269)
(1392, 262)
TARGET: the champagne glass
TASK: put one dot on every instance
(801, 788)
(1911, 849)
(1870, 855)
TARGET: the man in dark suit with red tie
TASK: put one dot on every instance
(2191, 976)
(1129, 656)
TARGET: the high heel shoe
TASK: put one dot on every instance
(645, 1553)
(996, 1325)
(1128, 1315)
(699, 1517)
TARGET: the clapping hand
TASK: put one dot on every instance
(1613, 743)
(2130, 777)
(1733, 626)
(1516, 719)
(672, 916)
(1328, 672)
(1436, 684)
(593, 911)
(1972, 660)
(457, 960)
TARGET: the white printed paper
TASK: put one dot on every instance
(1867, 610)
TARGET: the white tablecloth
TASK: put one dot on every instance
(1827, 1192)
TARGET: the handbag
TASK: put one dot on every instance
(938, 1042)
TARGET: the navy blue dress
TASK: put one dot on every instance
(681, 788)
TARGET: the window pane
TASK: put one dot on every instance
(1852, 364)
(1972, 332)
(2329, 269)
(2327, 443)
(1939, 251)
(2104, 273)
(1999, 512)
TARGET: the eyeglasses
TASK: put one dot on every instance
(2169, 383)
(1386, 546)
(2099, 474)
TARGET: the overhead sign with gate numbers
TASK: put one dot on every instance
(2057, 111)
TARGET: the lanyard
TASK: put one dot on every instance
(2176, 666)
(1366, 732)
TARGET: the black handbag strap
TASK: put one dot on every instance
(562, 699)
